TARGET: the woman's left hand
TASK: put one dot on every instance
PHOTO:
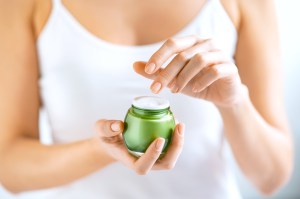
(199, 69)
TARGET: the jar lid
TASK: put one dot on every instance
(150, 103)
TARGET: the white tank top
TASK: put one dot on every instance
(84, 78)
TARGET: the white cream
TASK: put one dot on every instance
(150, 103)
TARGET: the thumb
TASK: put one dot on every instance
(139, 68)
(109, 128)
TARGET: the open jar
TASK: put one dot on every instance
(147, 119)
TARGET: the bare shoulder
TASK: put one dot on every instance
(13, 9)
(257, 10)
(243, 10)
(30, 13)
(259, 19)
(255, 5)
(259, 25)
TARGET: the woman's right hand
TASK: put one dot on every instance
(111, 141)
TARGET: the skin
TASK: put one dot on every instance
(248, 93)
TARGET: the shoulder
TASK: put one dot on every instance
(257, 10)
(13, 9)
(245, 11)
(32, 14)
(258, 22)
(255, 5)
(15, 19)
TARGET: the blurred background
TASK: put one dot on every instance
(288, 16)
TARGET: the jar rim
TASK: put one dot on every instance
(150, 103)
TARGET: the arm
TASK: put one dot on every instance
(249, 95)
(257, 128)
(23, 159)
(25, 164)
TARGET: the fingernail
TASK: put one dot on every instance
(172, 84)
(181, 130)
(160, 144)
(156, 87)
(150, 68)
(115, 126)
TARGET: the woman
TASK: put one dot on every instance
(73, 59)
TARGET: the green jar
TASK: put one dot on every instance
(148, 118)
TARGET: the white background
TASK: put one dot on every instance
(289, 20)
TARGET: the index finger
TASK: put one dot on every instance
(168, 49)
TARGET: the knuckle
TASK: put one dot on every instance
(154, 155)
(171, 43)
(156, 58)
(182, 57)
(164, 77)
(179, 143)
(199, 58)
(200, 86)
(181, 79)
(99, 126)
(215, 71)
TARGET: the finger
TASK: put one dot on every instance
(167, 75)
(206, 45)
(139, 67)
(213, 74)
(174, 150)
(168, 49)
(109, 128)
(144, 164)
(198, 62)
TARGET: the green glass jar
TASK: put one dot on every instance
(148, 118)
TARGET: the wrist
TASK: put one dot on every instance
(99, 154)
(241, 101)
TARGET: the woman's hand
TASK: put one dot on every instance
(111, 140)
(199, 69)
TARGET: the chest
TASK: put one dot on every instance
(133, 22)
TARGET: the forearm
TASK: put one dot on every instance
(263, 152)
(48, 166)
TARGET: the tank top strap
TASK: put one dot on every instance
(56, 4)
